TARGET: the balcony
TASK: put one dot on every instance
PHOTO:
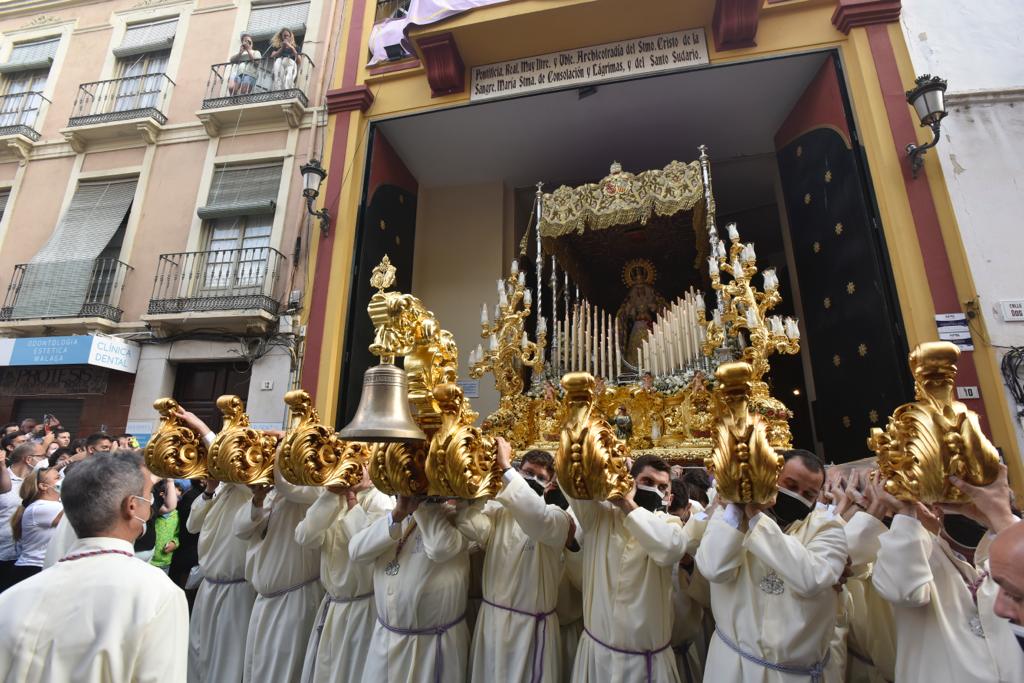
(81, 293)
(120, 107)
(233, 288)
(256, 93)
(18, 115)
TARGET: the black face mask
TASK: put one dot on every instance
(537, 487)
(790, 507)
(964, 530)
(556, 497)
(649, 500)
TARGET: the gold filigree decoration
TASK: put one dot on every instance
(873, 416)
(590, 462)
(240, 454)
(398, 469)
(930, 439)
(461, 460)
(827, 303)
(312, 454)
(175, 451)
(862, 349)
(851, 288)
(837, 360)
(816, 247)
(828, 176)
(622, 198)
(839, 229)
(807, 198)
(746, 468)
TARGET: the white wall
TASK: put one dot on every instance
(978, 47)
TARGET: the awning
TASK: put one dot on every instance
(99, 350)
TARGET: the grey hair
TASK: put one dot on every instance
(22, 451)
(94, 488)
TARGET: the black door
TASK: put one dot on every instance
(197, 386)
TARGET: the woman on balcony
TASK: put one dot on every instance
(244, 77)
(286, 57)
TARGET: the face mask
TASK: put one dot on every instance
(556, 497)
(790, 507)
(649, 498)
(1018, 633)
(963, 530)
(534, 484)
(145, 523)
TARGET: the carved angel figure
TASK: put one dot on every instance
(746, 468)
(241, 454)
(590, 462)
(175, 451)
(312, 454)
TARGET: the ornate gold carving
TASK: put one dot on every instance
(241, 454)
(746, 468)
(312, 454)
(935, 436)
(175, 451)
(622, 198)
(398, 469)
(460, 462)
(590, 462)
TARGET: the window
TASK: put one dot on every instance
(142, 63)
(267, 18)
(25, 75)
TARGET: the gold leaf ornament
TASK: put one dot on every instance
(175, 451)
(461, 460)
(746, 468)
(241, 454)
(399, 469)
(312, 454)
(590, 462)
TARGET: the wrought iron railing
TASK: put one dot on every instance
(264, 80)
(18, 113)
(224, 280)
(66, 289)
(122, 99)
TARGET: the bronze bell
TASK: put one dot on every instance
(383, 413)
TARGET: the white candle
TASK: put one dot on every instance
(716, 317)
(479, 352)
(493, 343)
(525, 340)
(522, 279)
(514, 268)
(472, 358)
(527, 298)
(501, 288)
(771, 280)
(543, 323)
(737, 268)
(722, 253)
(483, 315)
(712, 267)
(734, 234)
(699, 301)
(752, 321)
(792, 330)
(618, 354)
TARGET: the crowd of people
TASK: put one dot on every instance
(835, 580)
(252, 71)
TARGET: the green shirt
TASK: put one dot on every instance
(166, 531)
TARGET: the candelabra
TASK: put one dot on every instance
(742, 308)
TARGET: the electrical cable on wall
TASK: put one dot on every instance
(1012, 368)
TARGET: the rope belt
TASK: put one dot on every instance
(682, 649)
(323, 620)
(284, 591)
(814, 671)
(648, 655)
(436, 631)
(540, 628)
(223, 582)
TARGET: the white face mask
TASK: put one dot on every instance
(145, 523)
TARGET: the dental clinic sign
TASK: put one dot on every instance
(99, 350)
(586, 65)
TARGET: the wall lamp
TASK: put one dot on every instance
(928, 100)
(313, 175)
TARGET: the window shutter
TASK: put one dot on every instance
(57, 278)
(4, 196)
(242, 191)
(31, 56)
(266, 20)
(149, 37)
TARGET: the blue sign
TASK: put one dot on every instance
(73, 350)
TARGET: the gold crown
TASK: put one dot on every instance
(241, 454)
(312, 454)
(175, 451)
(930, 439)
(745, 467)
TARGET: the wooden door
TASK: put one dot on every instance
(197, 386)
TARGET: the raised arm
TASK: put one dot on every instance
(902, 574)
(721, 550)
(251, 520)
(201, 506)
(441, 540)
(547, 524)
(321, 515)
(661, 538)
(807, 569)
(373, 541)
(303, 495)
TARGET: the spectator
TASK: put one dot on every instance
(127, 441)
(61, 437)
(28, 425)
(10, 428)
(78, 446)
(286, 56)
(12, 441)
(60, 458)
(34, 522)
(243, 77)
(98, 443)
(187, 554)
(165, 499)
(165, 529)
(12, 473)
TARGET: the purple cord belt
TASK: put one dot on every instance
(540, 627)
(222, 582)
(329, 600)
(816, 671)
(436, 631)
(289, 589)
(648, 655)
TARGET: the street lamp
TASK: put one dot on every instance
(313, 175)
(928, 100)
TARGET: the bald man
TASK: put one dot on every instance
(1006, 562)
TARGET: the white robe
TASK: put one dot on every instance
(936, 619)
(340, 639)
(286, 578)
(569, 607)
(627, 592)
(63, 538)
(687, 627)
(871, 641)
(523, 538)
(771, 593)
(216, 652)
(428, 593)
(103, 619)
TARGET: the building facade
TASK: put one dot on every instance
(801, 102)
(152, 199)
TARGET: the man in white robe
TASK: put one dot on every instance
(420, 582)
(517, 631)
(99, 614)
(286, 578)
(340, 639)
(772, 581)
(628, 555)
(688, 624)
(225, 597)
(943, 605)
